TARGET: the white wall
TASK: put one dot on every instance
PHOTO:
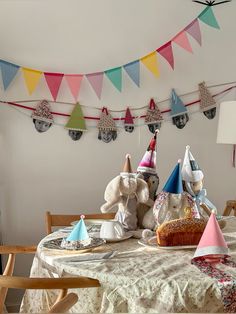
(50, 171)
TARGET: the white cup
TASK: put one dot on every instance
(111, 229)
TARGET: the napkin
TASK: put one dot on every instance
(87, 257)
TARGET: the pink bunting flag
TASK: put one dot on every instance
(96, 80)
(74, 82)
(166, 52)
(193, 29)
(54, 81)
(182, 40)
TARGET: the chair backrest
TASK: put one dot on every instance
(64, 301)
(59, 220)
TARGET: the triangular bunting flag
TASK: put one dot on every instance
(193, 29)
(9, 71)
(207, 16)
(150, 61)
(54, 81)
(74, 82)
(133, 70)
(167, 53)
(96, 80)
(115, 77)
(182, 40)
(76, 121)
(31, 78)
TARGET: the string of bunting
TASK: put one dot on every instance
(132, 68)
(43, 116)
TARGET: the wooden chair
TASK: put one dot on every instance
(64, 300)
(65, 220)
(230, 206)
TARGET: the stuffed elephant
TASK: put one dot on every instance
(126, 191)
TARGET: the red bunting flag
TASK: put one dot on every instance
(54, 81)
(166, 52)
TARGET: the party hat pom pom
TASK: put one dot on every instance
(127, 156)
(187, 147)
(82, 216)
(179, 161)
(213, 211)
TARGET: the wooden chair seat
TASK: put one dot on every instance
(61, 220)
(64, 300)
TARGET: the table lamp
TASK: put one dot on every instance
(226, 133)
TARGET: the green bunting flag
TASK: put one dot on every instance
(208, 17)
(114, 76)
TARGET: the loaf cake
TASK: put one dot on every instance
(184, 231)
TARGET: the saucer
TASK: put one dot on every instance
(126, 236)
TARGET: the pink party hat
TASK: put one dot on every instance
(212, 241)
(128, 118)
(148, 162)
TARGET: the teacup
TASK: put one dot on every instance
(111, 229)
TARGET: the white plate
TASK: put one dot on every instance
(152, 242)
(127, 235)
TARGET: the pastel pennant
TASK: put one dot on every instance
(150, 61)
(31, 78)
(182, 40)
(193, 29)
(96, 80)
(167, 53)
(115, 77)
(54, 81)
(74, 82)
(133, 70)
(9, 71)
(207, 16)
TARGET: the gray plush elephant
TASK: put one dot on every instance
(126, 191)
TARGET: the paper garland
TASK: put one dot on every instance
(132, 69)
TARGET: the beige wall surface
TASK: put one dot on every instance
(50, 171)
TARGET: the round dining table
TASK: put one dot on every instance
(134, 279)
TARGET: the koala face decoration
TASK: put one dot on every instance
(107, 135)
(41, 126)
(180, 120)
(129, 128)
(75, 135)
(154, 126)
(210, 114)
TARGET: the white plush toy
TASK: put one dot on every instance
(126, 191)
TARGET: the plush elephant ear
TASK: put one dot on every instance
(112, 191)
(142, 191)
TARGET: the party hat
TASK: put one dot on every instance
(206, 100)
(174, 183)
(190, 170)
(177, 106)
(79, 232)
(42, 112)
(212, 241)
(128, 118)
(153, 114)
(148, 162)
(76, 121)
(106, 121)
(127, 165)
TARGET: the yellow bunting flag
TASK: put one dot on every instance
(31, 79)
(150, 61)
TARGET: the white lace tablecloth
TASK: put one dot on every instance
(137, 280)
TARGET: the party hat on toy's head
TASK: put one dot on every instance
(127, 165)
(212, 241)
(206, 100)
(190, 170)
(128, 118)
(174, 183)
(79, 232)
(106, 121)
(177, 106)
(76, 121)
(153, 114)
(42, 112)
(148, 162)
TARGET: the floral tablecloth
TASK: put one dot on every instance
(138, 279)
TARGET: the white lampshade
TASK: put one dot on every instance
(226, 133)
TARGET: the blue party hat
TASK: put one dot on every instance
(174, 183)
(177, 106)
(79, 232)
